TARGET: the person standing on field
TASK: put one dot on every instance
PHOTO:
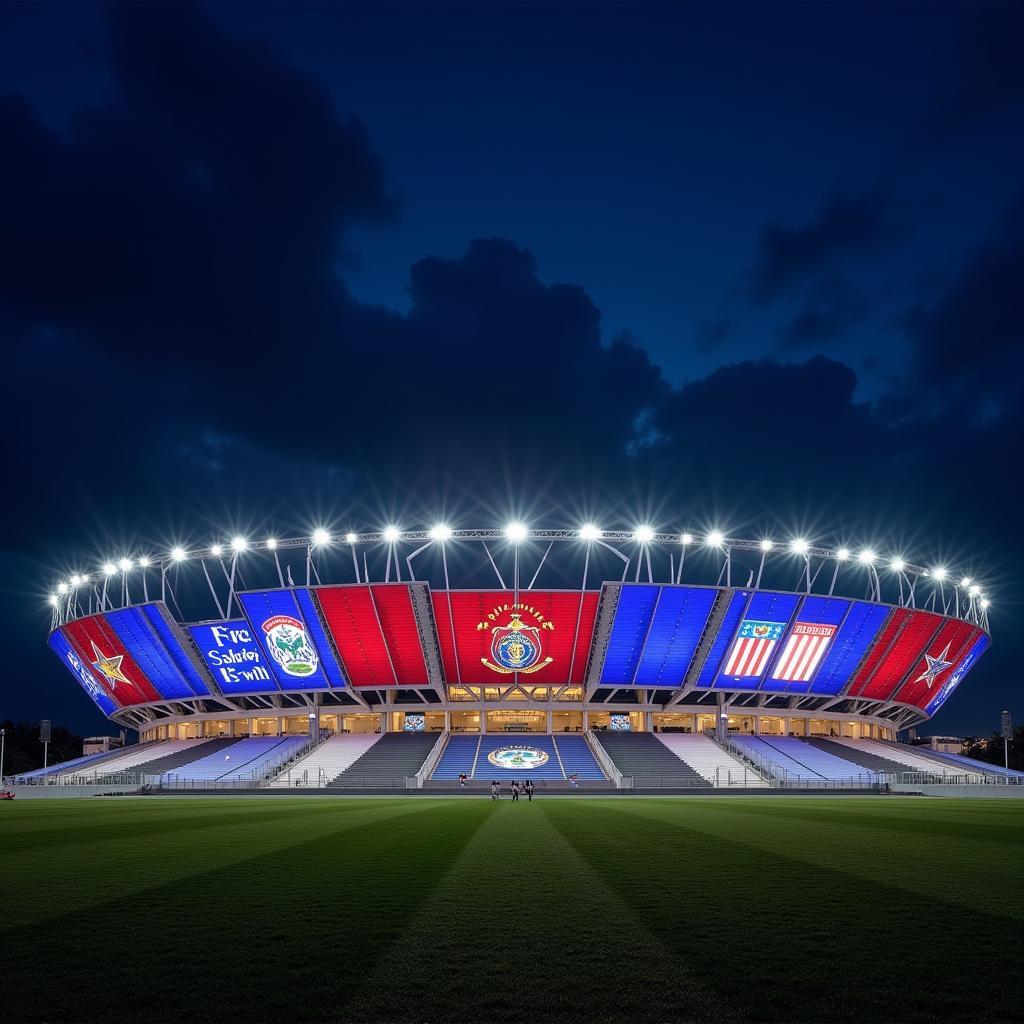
(495, 790)
(529, 790)
(515, 792)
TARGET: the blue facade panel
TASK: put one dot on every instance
(282, 631)
(807, 644)
(329, 663)
(726, 632)
(133, 629)
(679, 622)
(766, 609)
(629, 630)
(967, 662)
(855, 636)
(236, 661)
(169, 638)
(60, 645)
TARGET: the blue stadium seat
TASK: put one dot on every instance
(577, 758)
(458, 757)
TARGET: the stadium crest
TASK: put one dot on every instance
(286, 641)
(517, 758)
(516, 646)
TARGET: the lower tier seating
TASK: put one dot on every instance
(567, 755)
(78, 765)
(710, 761)
(865, 758)
(327, 761)
(239, 759)
(396, 757)
(968, 764)
(791, 758)
(577, 758)
(649, 762)
(905, 756)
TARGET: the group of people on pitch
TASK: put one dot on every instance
(517, 788)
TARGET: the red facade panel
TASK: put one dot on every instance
(902, 644)
(941, 656)
(487, 637)
(109, 661)
(374, 631)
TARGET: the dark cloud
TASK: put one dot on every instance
(983, 71)
(713, 334)
(845, 226)
(828, 309)
(968, 346)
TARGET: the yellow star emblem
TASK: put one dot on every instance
(110, 667)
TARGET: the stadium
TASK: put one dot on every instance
(585, 660)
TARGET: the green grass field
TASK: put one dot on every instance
(619, 909)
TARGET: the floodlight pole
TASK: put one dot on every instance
(3, 739)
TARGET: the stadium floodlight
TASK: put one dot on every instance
(965, 582)
(866, 556)
(516, 532)
(125, 564)
(144, 561)
(217, 550)
(178, 555)
(985, 602)
(939, 573)
(974, 590)
(799, 546)
(351, 538)
(270, 544)
(84, 579)
(239, 544)
(842, 554)
(766, 544)
(53, 600)
(897, 565)
(716, 538)
(588, 531)
(686, 538)
(109, 568)
(62, 588)
(392, 534)
(76, 580)
(644, 534)
(321, 536)
(439, 531)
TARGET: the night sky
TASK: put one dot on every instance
(265, 267)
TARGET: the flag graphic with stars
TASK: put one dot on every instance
(803, 651)
(754, 644)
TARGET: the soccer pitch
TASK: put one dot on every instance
(423, 909)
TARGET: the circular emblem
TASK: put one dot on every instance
(286, 640)
(516, 649)
(517, 758)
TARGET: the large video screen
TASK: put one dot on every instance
(375, 631)
(234, 658)
(90, 682)
(488, 637)
(655, 634)
(99, 646)
(290, 641)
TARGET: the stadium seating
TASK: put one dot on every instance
(132, 758)
(192, 752)
(905, 756)
(240, 759)
(577, 758)
(261, 765)
(865, 758)
(968, 764)
(458, 757)
(792, 757)
(551, 769)
(710, 761)
(396, 757)
(72, 767)
(643, 757)
(327, 761)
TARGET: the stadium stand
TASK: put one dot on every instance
(458, 757)
(78, 764)
(551, 769)
(970, 765)
(192, 752)
(238, 759)
(906, 756)
(795, 757)
(325, 762)
(865, 758)
(263, 764)
(387, 763)
(710, 761)
(577, 758)
(642, 756)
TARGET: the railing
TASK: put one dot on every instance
(760, 764)
(430, 763)
(603, 759)
(253, 779)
